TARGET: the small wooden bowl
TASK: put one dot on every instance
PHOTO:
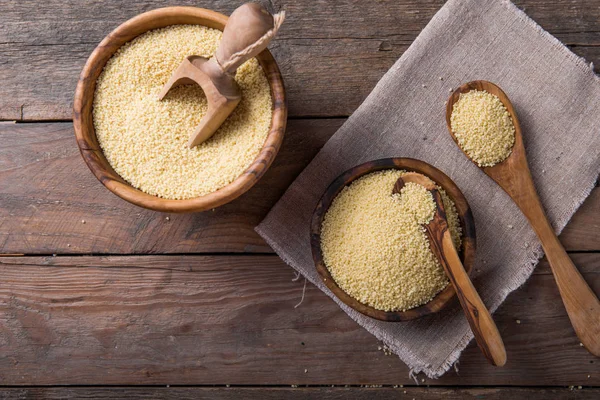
(467, 251)
(84, 126)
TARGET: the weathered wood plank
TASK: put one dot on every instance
(47, 191)
(331, 53)
(337, 393)
(184, 320)
(583, 231)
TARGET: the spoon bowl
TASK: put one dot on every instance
(516, 161)
(414, 177)
(514, 177)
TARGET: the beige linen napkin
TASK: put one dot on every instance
(557, 98)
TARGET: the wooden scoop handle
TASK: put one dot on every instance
(582, 305)
(486, 333)
(248, 31)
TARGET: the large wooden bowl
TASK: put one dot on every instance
(467, 250)
(86, 136)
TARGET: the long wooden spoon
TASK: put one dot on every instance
(486, 333)
(514, 177)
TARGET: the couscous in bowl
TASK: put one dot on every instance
(89, 144)
(467, 225)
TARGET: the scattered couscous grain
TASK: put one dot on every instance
(483, 127)
(145, 140)
(386, 350)
(375, 246)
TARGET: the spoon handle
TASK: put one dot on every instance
(486, 333)
(581, 303)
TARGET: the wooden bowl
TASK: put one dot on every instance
(467, 250)
(86, 136)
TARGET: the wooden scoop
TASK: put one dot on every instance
(248, 31)
(486, 333)
(514, 177)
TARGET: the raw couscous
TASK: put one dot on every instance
(145, 140)
(483, 127)
(375, 246)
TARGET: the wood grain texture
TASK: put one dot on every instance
(326, 393)
(47, 191)
(514, 177)
(354, 42)
(219, 106)
(483, 326)
(467, 251)
(151, 320)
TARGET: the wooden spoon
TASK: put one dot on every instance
(514, 177)
(248, 31)
(486, 333)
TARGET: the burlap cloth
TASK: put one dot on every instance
(557, 98)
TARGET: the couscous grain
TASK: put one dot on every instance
(375, 246)
(483, 127)
(145, 140)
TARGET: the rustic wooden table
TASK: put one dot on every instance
(98, 297)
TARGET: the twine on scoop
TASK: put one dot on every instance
(235, 57)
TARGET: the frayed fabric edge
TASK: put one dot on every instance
(579, 61)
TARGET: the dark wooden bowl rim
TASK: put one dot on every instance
(467, 250)
(86, 136)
